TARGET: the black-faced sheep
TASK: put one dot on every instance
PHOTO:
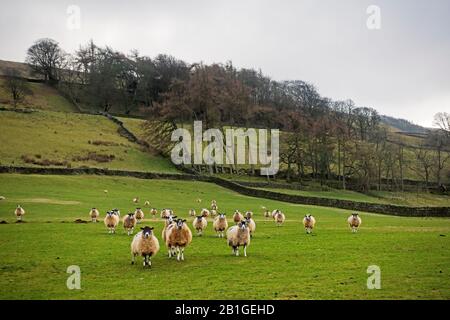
(192, 213)
(129, 222)
(239, 236)
(248, 215)
(354, 221)
(166, 213)
(144, 244)
(214, 205)
(94, 214)
(220, 225)
(279, 218)
(136, 200)
(154, 212)
(111, 221)
(309, 222)
(139, 214)
(178, 237)
(19, 212)
(205, 213)
(251, 225)
(147, 203)
(200, 224)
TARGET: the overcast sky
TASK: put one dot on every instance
(402, 69)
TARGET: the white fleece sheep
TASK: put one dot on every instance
(192, 213)
(94, 214)
(154, 212)
(279, 218)
(309, 222)
(200, 224)
(178, 237)
(237, 217)
(139, 214)
(220, 224)
(251, 225)
(111, 221)
(144, 244)
(354, 222)
(239, 236)
(129, 222)
(205, 213)
(19, 212)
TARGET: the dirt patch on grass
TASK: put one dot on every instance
(38, 160)
(94, 156)
(3, 222)
(49, 201)
(104, 143)
(80, 221)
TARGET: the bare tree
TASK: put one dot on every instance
(46, 58)
(17, 87)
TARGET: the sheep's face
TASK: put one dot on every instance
(130, 216)
(199, 218)
(308, 217)
(222, 216)
(110, 213)
(243, 225)
(355, 215)
(171, 218)
(180, 223)
(147, 232)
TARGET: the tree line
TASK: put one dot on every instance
(321, 138)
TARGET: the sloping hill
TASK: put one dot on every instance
(46, 138)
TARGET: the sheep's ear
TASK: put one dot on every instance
(142, 228)
(152, 228)
(184, 220)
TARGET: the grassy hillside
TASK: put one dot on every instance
(282, 263)
(71, 139)
(42, 97)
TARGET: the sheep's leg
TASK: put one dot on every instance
(182, 254)
(237, 252)
(178, 254)
(245, 250)
(133, 258)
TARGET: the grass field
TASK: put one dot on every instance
(69, 138)
(282, 263)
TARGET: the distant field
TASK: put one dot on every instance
(72, 139)
(282, 263)
(385, 197)
(43, 97)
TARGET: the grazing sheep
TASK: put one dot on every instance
(199, 200)
(136, 200)
(267, 214)
(154, 212)
(111, 221)
(248, 214)
(251, 225)
(213, 213)
(205, 213)
(129, 222)
(239, 236)
(192, 213)
(105, 191)
(165, 213)
(2, 198)
(279, 218)
(354, 221)
(309, 222)
(19, 212)
(220, 225)
(200, 224)
(147, 203)
(237, 217)
(178, 237)
(94, 214)
(144, 244)
(139, 214)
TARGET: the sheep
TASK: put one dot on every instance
(251, 225)
(237, 217)
(153, 212)
(205, 213)
(274, 212)
(2, 198)
(129, 222)
(94, 214)
(144, 244)
(279, 218)
(266, 214)
(168, 221)
(165, 213)
(178, 237)
(111, 221)
(192, 213)
(200, 224)
(139, 214)
(19, 212)
(220, 225)
(239, 236)
(116, 212)
(213, 213)
(248, 214)
(105, 191)
(214, 205)
(199, 200)
(309, 222)
(136, 200)
(354, 221)
(147, 203)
